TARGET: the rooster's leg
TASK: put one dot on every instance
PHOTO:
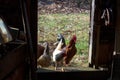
(62, 69)
(55, 66)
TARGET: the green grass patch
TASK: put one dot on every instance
(49, 25)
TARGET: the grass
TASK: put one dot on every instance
(52, 24)
(49, 25)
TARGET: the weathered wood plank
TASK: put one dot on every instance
(11, 60)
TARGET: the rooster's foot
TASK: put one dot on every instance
(62, 69)
(55, 68)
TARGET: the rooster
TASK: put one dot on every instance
(45, 59)
(71, 50)
(59, 54)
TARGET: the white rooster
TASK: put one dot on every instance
(58, 54)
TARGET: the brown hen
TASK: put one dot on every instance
(40, 50)
(71, 50)
(45, 59)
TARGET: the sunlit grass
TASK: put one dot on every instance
(68, 24)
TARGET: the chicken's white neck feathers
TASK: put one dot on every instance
(57, 50)
(59, 45)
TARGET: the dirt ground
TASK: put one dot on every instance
(66, 7)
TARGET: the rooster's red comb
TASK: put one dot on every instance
(74, 38)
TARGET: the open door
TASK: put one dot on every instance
(46, 74)
(102, 34)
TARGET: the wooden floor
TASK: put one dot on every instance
(75, 73)
(66, 69)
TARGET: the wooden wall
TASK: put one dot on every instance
(11, 11)
(103, 36)
(116, 59)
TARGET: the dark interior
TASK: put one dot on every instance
(18, 57)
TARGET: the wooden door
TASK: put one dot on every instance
(102, 34)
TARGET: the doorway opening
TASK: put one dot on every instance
(66, 17)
